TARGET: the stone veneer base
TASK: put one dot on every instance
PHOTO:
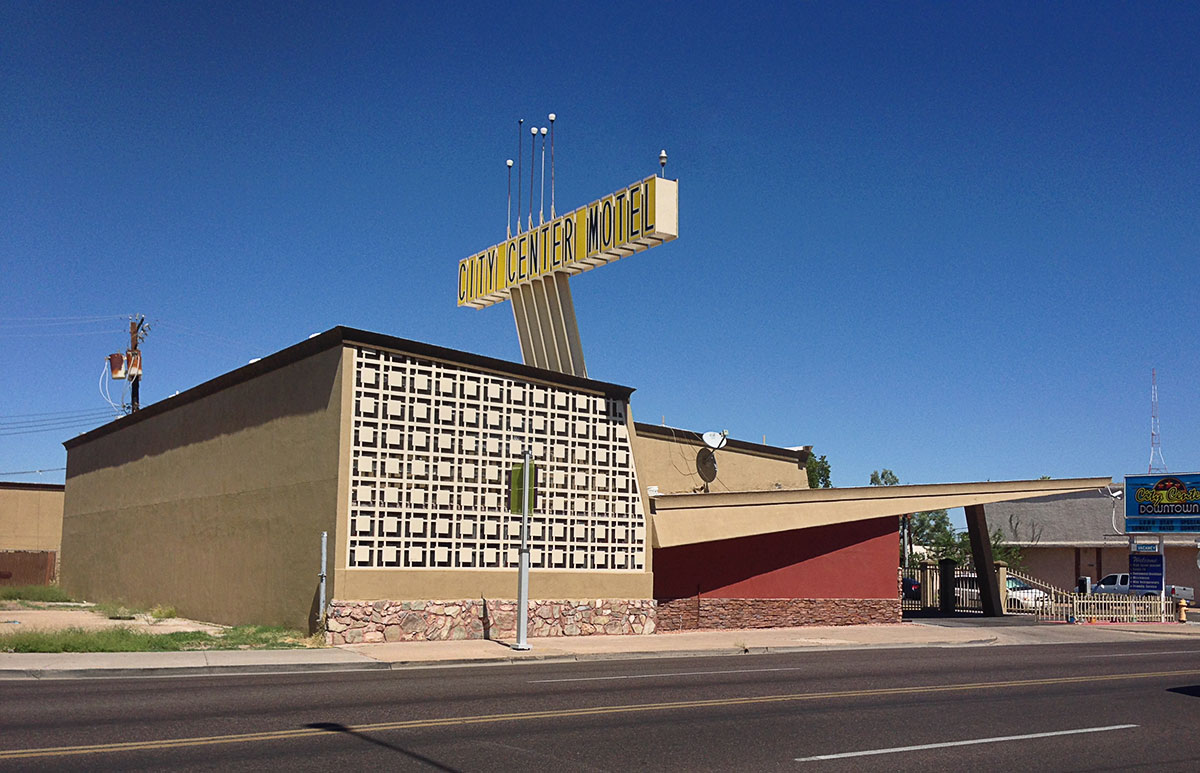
(692, 613)
(352, 622)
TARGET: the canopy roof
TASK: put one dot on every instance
(685, 519)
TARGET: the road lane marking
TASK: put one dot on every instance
(1142, 654)
(413, 724)
(677, 673)
(972, 742)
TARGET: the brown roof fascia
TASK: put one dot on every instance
(800, 456)
(19, 486)
(342, 336)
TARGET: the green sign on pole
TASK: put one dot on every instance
(516, 485)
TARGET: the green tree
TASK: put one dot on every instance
(933, 531)
(884, 477)
(818, 472)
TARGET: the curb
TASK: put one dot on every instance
(1157, 632)
(42, 674)
(506, 660)
(46, 674)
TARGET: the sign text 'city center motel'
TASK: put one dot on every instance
(531, 268)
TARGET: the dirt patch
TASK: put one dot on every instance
(60, 617)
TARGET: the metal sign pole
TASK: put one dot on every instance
(324, 566)
(1162, 590)
(523, 572)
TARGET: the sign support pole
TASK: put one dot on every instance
(1162, 551)
(523, 571)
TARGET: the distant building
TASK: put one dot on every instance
(1068, 536)
(30, 532)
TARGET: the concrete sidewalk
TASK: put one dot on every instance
(954, 632)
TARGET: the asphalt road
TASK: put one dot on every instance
(1132, 705)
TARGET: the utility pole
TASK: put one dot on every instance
(138, 329)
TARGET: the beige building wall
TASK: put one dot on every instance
(30, 516)
(1056, 565)
(1053, 565)
(670, 459)
(213, 501)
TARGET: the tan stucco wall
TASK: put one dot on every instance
(1053, 565)
(1056, 565)
(670, 464)
(215, 506)
(30, 517)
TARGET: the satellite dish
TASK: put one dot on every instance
(715, 440)
(706, 465)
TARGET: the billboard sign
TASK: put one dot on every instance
(1162, 504)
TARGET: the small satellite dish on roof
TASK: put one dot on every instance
(715, 440)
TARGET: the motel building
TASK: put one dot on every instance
(216, 500)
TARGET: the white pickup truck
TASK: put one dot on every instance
(1119, 583)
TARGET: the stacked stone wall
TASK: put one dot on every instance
(693, 613)
(353, 622)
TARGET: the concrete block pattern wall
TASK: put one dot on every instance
(433, 443)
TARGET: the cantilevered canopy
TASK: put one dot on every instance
(685, 519)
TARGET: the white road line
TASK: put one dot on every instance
(1142, 654)
(972, 742)
(651, 676)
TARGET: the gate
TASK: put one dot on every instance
(27, 567)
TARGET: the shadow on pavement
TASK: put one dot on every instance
(334, 727)
(967, 619)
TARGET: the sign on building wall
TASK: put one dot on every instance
(1162, 504)
(632, 219)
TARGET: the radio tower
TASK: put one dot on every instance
(1155, 439)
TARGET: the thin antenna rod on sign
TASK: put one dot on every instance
(508, 220)
(532, 169)
(520, 145)
(1155, 437)
(552, 214)
(542, 193)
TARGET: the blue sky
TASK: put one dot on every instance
(947, 239)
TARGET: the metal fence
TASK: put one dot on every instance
(922, 590)
(910, 589)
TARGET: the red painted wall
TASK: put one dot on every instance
(848, 560)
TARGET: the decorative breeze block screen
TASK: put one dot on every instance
(433, 443)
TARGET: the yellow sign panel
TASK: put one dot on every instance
(641, 215)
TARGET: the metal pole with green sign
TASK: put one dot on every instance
(524, 473)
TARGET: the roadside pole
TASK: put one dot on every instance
(523, 571)
(324, 566)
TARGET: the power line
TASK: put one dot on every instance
(77, 425)
(33, 472)
(39, 334)
(64, 421)
(51, 323)
(51, 413)
(92, 318)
